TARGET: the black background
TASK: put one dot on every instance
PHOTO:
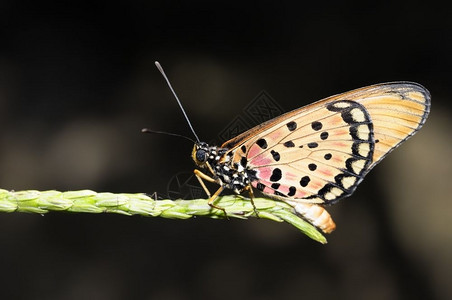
(78, 82)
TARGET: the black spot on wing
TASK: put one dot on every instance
(312, 167)
(292, 191)
(313, 145)
(243, 148)
(262, 143)
(260, 186)
(291, 126)
(327, 156)
(316, 125)
(275, 155)
(289, 144)
(324, 135)
(243, 161)
(276, 175)
(275, 185)
(304, 181)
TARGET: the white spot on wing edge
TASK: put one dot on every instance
(333, 193)
(348, 181)
(329, 196)
(363, 132)
(358, 165)
(336, 191)
(363, 149)
(358, 115)
(341, 104)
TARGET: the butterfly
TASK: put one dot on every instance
(318, 154)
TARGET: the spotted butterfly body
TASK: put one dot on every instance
(318, 154)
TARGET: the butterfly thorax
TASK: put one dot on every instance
(218, 161)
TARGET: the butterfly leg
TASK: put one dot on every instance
(251, 193)
(201, 176)
(215, 196)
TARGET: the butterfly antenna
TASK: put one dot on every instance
(147, 130)
(159, 67)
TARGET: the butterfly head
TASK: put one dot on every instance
(204, 155)
(200, 154)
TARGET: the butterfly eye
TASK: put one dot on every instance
(201, 155)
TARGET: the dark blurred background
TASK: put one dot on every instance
(78, 82)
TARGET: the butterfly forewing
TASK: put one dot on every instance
(321, 152)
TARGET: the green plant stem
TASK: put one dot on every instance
(86, 201)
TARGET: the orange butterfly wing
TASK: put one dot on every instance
(320, 153)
